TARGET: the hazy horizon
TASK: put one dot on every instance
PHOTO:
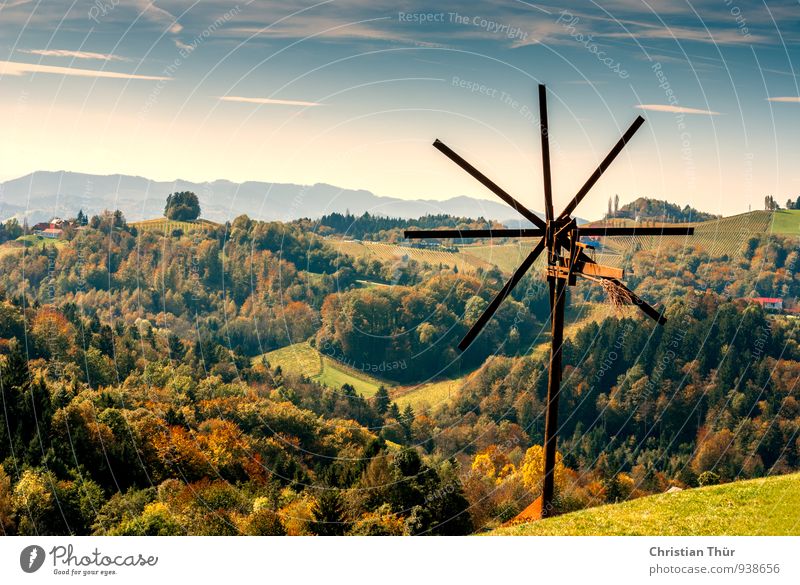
(352, 94)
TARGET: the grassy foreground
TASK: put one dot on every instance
(766, 506)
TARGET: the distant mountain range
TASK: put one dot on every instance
(44, 194)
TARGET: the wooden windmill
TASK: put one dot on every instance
(560, 237)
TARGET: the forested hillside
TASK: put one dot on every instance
(137, 400)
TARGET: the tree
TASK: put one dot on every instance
(6, 502)
(382, 400)
(81, 218)
(182, 206)
(328, 514)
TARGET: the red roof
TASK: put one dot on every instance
(766, 300)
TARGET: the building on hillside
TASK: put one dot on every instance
(40, 227)
(51, 233)
(770, 303)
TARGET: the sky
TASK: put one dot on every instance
(353, 94)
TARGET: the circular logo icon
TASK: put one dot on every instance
(31, 558)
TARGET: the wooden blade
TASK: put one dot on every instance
(635, 231)
(543, 130)
(603, 166)
(648, 310)
(486, 182)
(504, 292)
(457, 234)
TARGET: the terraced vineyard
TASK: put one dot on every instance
(397, 253)
(167, 226)
(508, 256)
(718, 236)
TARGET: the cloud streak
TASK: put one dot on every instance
(267, 101)
(159, 15)
(72, 54)
(789, 99)
(676, 109)
(14, 68)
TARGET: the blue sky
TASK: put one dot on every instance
(353, 93)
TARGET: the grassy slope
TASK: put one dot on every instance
(431, 394)
(786, 222)
(767, 506)
(301, 358)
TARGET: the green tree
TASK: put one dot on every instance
(328, 514)
(382, 400)
(182, 206)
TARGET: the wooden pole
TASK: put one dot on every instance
(557, 299)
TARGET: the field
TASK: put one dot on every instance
(397, 253)
(766, 506)
(301, 358)
(786, 222)
(28, 242)
(431, 394)
(167, 226)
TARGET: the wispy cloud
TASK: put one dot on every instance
(15, 68)
(792, 99)
(700, 35)
(267, 101)
(72, 54)
(159, 15)
(675, 109)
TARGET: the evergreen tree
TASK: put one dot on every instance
(382, 400)
(328, 514)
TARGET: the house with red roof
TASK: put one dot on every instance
(770, 303)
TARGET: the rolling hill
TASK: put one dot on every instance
(765, 506)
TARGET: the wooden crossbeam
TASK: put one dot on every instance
(586, 268)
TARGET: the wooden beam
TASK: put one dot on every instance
(558, 293)
(592, 269)
(587, 268)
